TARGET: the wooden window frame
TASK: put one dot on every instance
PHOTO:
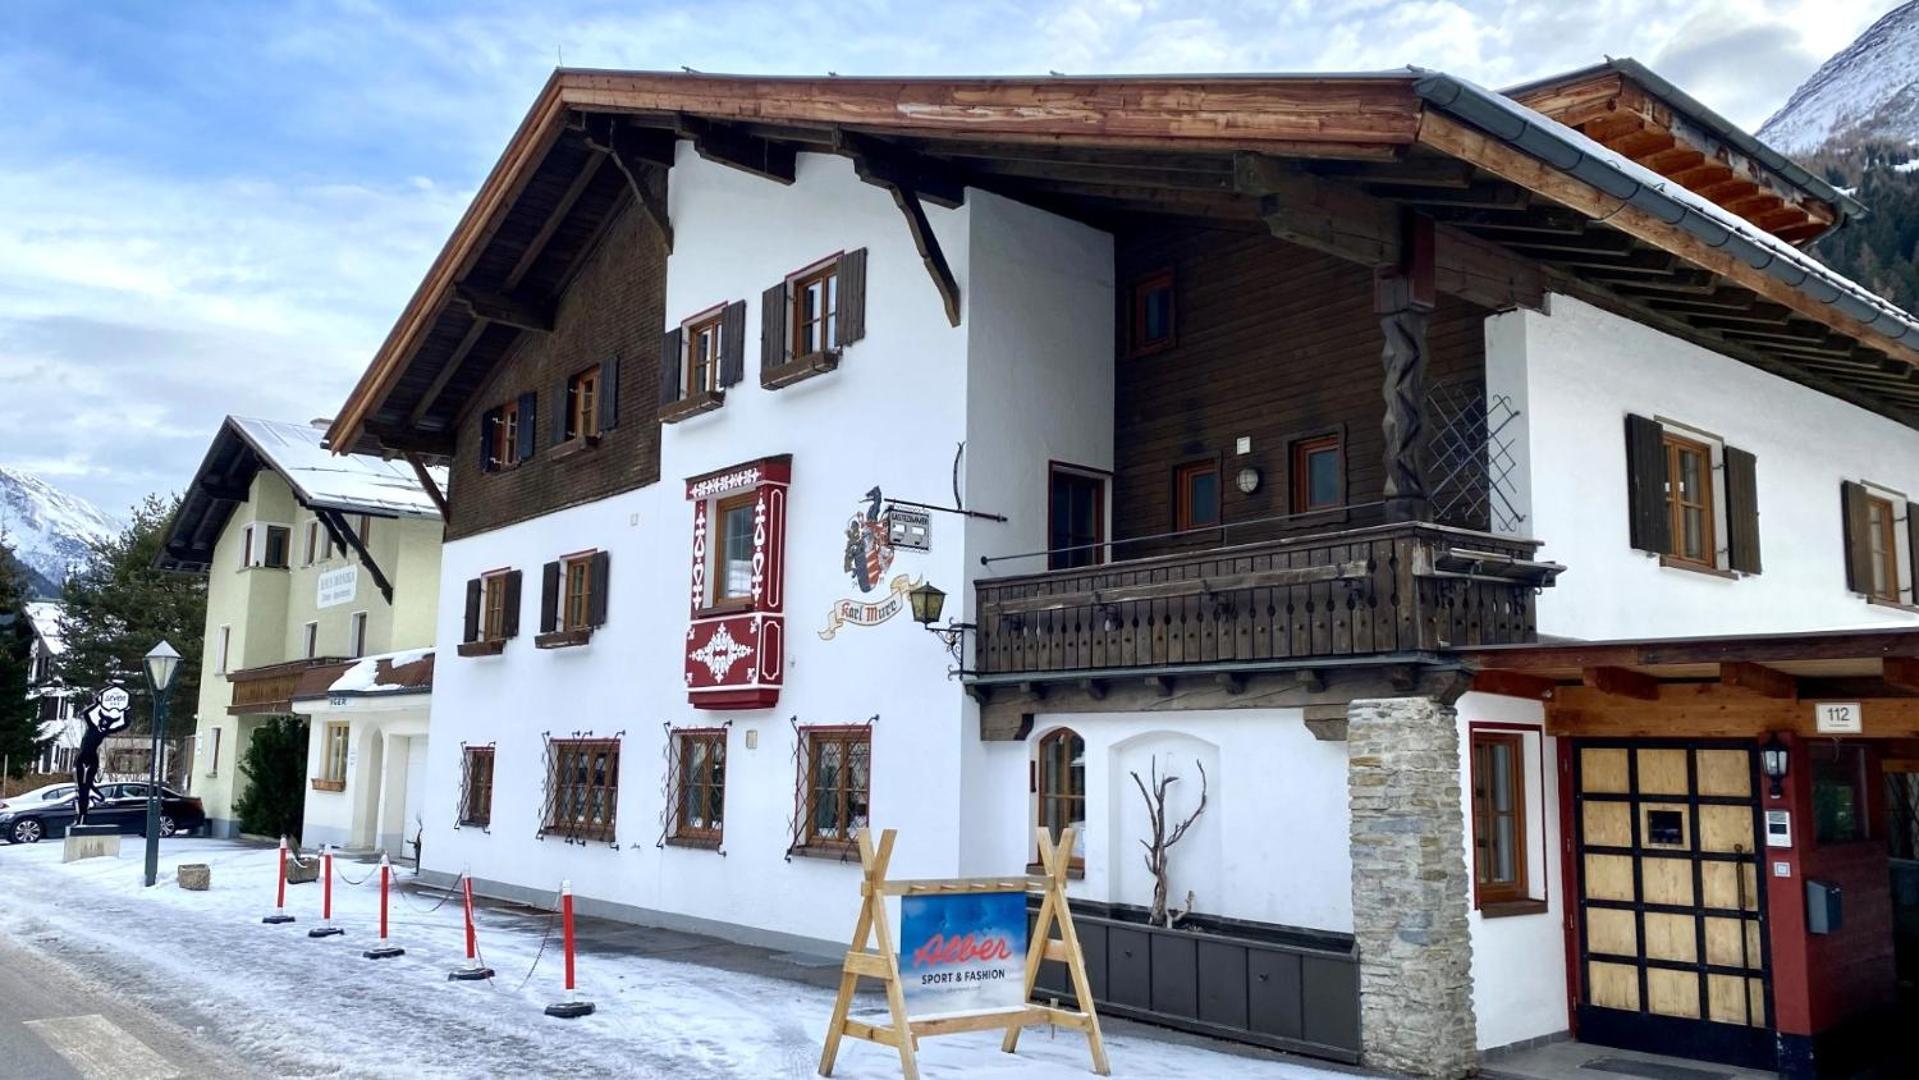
(848, 739)
(1101, 481)
(690, 331)
(1299, 476)
(576, 588)
(335, 747)
(1675, 445)
(1858, 765)
(583, 404)
(493, 606)
(826, 275)
(713, 739)
(1182, 495)
(507, 435)
(559, 819)
(1887, 535)
(1137, 343)
(1041, 796)
(718, 598)
(476, 796)
(1484, 835)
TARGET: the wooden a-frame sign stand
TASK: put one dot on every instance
(882, 962)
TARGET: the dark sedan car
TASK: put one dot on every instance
(121, 805)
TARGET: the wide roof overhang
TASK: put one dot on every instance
(1328, 161)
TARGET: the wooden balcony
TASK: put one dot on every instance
(1399, 592)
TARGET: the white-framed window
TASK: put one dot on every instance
(310, 640)
(223, 650)
(311, 552)
(356, 636)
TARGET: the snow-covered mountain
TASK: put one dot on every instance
(1868, 90)
(47, 529)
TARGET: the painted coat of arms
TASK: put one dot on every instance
(869, 545)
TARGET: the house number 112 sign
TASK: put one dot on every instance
(1837, 718)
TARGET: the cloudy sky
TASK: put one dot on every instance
(211, 208)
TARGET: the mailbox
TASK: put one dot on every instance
(1824, 907)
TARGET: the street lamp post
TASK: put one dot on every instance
(162, 661)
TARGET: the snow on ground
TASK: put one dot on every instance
(296, 1006)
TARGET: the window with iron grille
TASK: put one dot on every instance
(583, 787)
(699, 785)
(476, 786)
(837, 780)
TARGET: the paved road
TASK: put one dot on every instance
(58, 1023)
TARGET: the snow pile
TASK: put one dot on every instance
(1869, 89)
(352, 483)
(291, 1005)
(46, 528)
(364, 676)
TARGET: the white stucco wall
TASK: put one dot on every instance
(1519, 961)
(1576, 373)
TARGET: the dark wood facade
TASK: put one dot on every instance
(610, 313)
(1275, 343)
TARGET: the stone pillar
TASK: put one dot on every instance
(1410, 888)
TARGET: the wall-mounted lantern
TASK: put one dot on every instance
(928, 602)
(1775, 760)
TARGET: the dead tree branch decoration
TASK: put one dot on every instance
(1161, 844)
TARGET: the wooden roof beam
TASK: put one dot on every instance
(1674, 160)
(1760, 679)
(1702, 176)
(1901, 671)
(554, 219)
(1543, 220)
(513, 309)
(1612, 125)
(884, 165)
(644, 157)
(724, 145)
(1621, 682)
(1795, 234)
(1513, 684)
(1644, 142)
(446, 373)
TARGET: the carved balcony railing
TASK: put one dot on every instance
(1401, 590)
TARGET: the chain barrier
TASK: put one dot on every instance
(452, 891)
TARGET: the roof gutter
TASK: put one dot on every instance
(1541, 138)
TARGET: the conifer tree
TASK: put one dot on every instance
(20, 738)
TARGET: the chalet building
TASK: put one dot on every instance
(58, 707)
(1276, 433)
(320, 569)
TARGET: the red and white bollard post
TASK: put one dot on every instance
(474, 970)
(280, 891)
(573, 1006)
(326, 927)
(384, 951)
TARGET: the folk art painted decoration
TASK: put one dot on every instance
(736, 636)
(873, 539)
(966, 961)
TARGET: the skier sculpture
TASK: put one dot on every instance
(106, 715)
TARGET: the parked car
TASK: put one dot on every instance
(120, 805)
(48, 793)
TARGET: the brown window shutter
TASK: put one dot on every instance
(549, 598)
(670, 362)
(1647, 523)
(562, 410)
(1912, 550)
(610, 394)
(772, 329)
(596, 598)
(1852, 499)
(852, 313)
(510, 623)
(733, 343)
(1742, 510)
(489, 432)
(471, 627)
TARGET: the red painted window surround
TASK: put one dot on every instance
(735, 646)
(1822, 980)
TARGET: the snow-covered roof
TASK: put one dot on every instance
(351, 483)
(405, 671)
(45, 617)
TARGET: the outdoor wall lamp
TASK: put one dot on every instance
(1775, 760)
(928, 601)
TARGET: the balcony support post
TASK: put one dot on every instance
(1403, 297)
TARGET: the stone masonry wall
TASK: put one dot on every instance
(1410, 888)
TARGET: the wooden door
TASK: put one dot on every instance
(1672, 937)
